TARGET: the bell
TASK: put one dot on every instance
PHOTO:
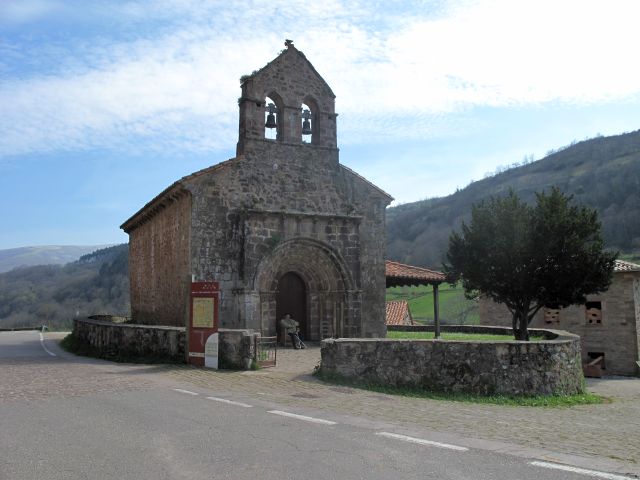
(271, 121)
(306, 123)
(306, 127)
(271, 118)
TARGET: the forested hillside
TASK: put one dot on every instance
(43, 255)
(53, 295)
(603, 173)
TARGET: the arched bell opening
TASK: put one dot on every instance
(306, 116)
(273, 110)
(309, 119)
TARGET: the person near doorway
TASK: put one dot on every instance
(290, 326)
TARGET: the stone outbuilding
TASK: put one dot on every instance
(283, 227)
(608, 323)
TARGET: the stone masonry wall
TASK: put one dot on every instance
(236, 349)
(485, 368)
(159, 267)
(247, 209)
(617, 335)
(117, 340)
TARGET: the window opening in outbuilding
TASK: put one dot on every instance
(593, 312)
(552, 313)
(596, 358)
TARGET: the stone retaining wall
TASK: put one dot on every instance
(161, 343)
(551, 366)
(118, 340)
(236, 348)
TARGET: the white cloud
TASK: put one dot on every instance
(396, 75)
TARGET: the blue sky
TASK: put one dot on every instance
(104, 104)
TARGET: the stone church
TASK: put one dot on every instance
(283, 227)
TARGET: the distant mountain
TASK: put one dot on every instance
(602, 173)
(96, 283)
(44, 255)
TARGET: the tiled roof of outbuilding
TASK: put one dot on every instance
(399, 271)
(397, 311)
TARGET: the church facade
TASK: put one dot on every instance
(283, 227)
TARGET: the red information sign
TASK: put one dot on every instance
(203, 318)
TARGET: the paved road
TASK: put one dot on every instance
(29, 344)
(65, 417)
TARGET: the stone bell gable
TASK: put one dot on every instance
(283, 226)
(289, 81)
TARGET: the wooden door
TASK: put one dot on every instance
(292, 299)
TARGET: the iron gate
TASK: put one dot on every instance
(266, 351)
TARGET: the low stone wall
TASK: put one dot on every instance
(118, 340)
(108, 339)
(236, 348)
(550, 366)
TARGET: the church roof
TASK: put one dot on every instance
(177, 189)
(168, 196)
(375, 187)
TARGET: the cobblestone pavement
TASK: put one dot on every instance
(610, 431)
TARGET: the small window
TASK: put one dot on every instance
(593, 312)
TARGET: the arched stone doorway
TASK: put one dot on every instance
(291, 298)
(332, 304)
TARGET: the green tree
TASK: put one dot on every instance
(526, 257)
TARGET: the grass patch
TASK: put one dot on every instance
(454, 307)
(551, 401)
(470, 337)
(71, 344)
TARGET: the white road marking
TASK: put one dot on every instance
(184, 391)
(591, 473)
(45, 347)
(302, 417)
(421, 441)
(230, 402)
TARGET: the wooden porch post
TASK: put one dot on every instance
(436, 309)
